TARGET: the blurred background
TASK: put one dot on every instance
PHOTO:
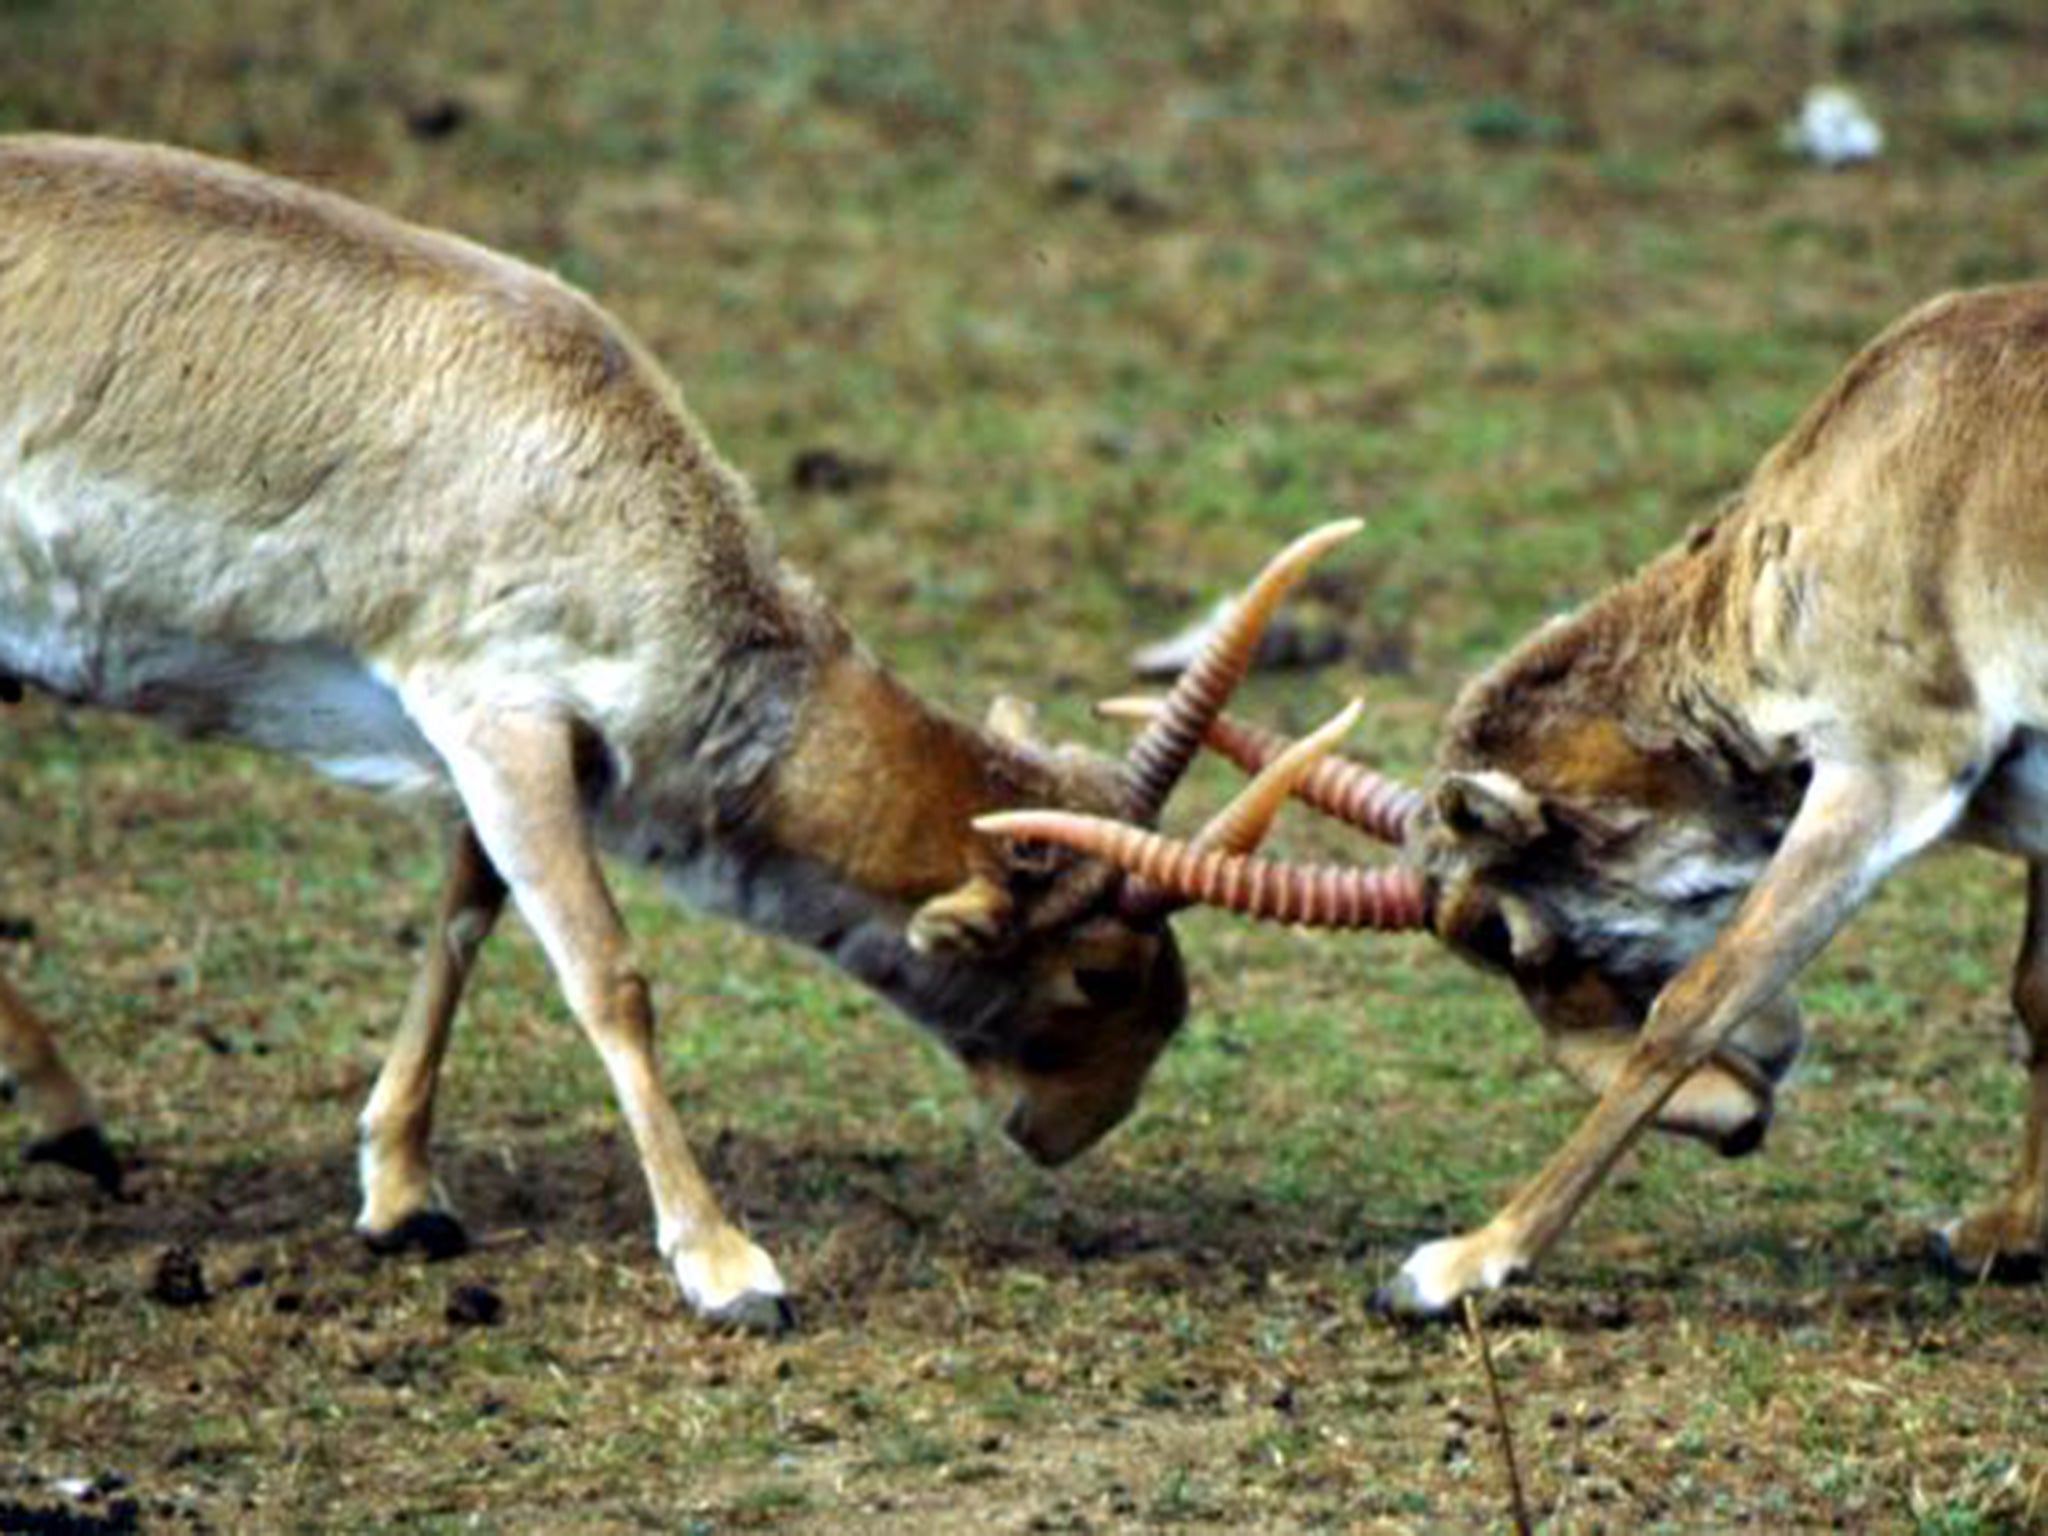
(1038, 325)
(1139, 288)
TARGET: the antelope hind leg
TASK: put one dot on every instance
(70, 1133)
(2007, 1239)
(516, 774)
(403, 1206)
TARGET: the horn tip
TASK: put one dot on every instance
(1130, 707)
(1287, 567)
(1021, 823)
(1335, 532)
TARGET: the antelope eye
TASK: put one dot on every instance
(1033, 863)
(1108, 989)
(1490, 941)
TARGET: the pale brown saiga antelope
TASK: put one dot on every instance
(277, 467)
(1655, 811)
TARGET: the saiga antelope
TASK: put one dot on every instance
(1656, 810)
(277, 467)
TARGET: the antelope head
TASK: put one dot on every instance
(1054, 973)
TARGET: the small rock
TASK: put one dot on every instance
(1513, 1312)
(180, 1280)
(1835, 129)
(436, 118)
(1113, 187)
(474, 1306)
(1610, 1313)
(828, 472)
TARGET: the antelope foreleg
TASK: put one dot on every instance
(1853, 827)
(516, 775)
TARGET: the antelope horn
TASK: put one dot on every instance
(1319, 896)
(1243, 824)
(1349, 792)
(1166, 746)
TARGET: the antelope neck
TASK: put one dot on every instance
(880, 788)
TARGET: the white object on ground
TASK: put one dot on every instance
(1835, 128)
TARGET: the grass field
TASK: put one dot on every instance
(1110, 300)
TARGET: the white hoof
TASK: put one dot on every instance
(727, 1279)
(1437, 1274)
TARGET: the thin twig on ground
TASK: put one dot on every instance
(1519, 1499)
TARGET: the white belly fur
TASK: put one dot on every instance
(62, 629)
(314, 702)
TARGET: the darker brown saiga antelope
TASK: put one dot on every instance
(277, 467)
(1658, 809)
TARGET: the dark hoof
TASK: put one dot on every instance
(768, 1316)
(2004, 1269)
(433, 1234)
(180, 1279)
(474, 1306)
(1744, 1139)
(84, 1149)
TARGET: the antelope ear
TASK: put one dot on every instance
(1013, 720)
(969, 919)
(1490, 806)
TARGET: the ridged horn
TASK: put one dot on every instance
(1243, 824)
(1349, 792)
(1309, 896)
(1166, 746)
